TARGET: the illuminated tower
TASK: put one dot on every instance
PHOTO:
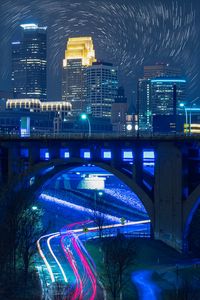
(79, 55)
(152, 101)
(29, 63)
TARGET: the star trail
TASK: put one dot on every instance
(129, 34)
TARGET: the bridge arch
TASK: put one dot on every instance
(45, 171)
(190, 207)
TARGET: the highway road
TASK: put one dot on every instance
(66, 260)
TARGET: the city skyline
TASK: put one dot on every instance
(173, 39)
(100, 149)
(90, 86)
(81, 50)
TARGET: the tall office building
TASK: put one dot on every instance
(148, 96)
(79, 55)
(102, 86)
(29, 62)
(167, 94)
(144, 107)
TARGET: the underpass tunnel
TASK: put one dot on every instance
(75, 193)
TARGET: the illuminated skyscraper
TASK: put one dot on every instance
(29, 63)
(79, 55)
(149, 99)
(102, 87)
(167, 94)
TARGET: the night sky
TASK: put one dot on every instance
(128, 33)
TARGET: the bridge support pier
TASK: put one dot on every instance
(168, 195)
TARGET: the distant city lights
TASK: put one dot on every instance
(129, 127)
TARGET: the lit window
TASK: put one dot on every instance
(127, 155)
(148, 154)
(148, 158)
(85, 153)
(47, 155)
(44, 154)
(106, 154)
(64, 153)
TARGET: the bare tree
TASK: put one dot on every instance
(119, 255)
(12, 202)
(30, 229)
(99, 220)
(98, 215)
(16, 199)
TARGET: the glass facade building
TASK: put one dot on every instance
(29, 63)
(74, 85)
(166, 95)
(119, 111)
(102, 87)
(155, 96)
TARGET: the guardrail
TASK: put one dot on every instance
(103, 136)
(138, 235)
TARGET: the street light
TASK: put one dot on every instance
(129, 127)
(85, 117)
(97, 194)
(85, 230)
(191, 104)
(34, 208)
(182, 105)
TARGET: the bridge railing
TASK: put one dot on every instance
(97, 136)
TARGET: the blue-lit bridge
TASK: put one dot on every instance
(163, 172)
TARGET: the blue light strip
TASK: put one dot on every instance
(193, 109)
(169, 80)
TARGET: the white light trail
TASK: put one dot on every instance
(57, 234)
(54, 256)
(44, 258)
